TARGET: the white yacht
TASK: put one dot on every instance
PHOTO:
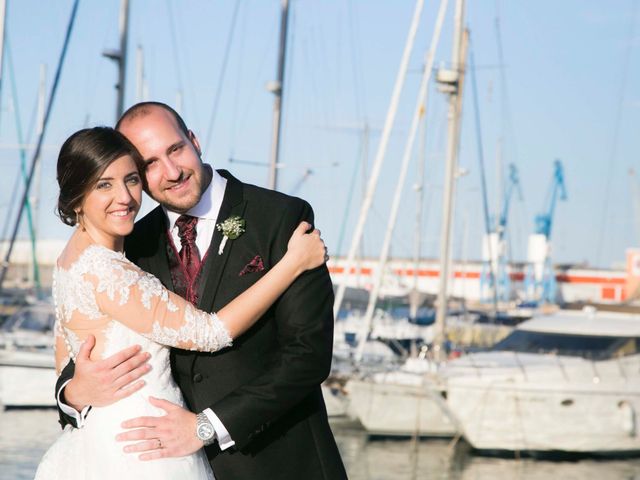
(409, 401)
(565, 382)
(376, 355)
(27, 366)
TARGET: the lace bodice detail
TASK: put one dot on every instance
(102, 292)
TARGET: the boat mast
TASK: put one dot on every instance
(395, 206)
(382, 150)
(35, 201)
(122, 61)
(179, 101)
(34, 274)
(415, 297)
(140, 96)
(120, 56)
(366, 136)
(36, 155)
(3, 11)
(277, 88)
(451, 83)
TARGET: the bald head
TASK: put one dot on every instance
(143, 109)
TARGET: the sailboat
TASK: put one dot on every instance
(408, 401)
(27, 369)
(411, 400)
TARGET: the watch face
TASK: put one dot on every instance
(205, 431)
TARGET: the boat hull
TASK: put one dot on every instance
(27, 379)
(335, 401)
(568, 417)
(390, 409)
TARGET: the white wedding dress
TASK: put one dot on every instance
(104, 294)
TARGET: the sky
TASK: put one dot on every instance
(567, 87)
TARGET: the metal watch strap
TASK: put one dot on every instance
(202, 420)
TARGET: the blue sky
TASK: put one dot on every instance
(571, 73)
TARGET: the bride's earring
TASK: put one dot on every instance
(79, 220)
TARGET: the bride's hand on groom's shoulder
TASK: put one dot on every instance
(171, 435)
(102, 382)
(306, 247)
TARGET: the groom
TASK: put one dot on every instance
(258, 405)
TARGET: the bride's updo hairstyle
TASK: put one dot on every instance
(83, 158)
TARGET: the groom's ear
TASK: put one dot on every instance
(194, 141)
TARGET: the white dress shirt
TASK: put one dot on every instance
(206, 210)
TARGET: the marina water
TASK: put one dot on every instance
(26, 434)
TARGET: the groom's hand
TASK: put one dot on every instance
(103, 382)
(172, 435)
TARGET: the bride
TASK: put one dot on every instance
(98, 292)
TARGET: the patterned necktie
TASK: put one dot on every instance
(189, 255)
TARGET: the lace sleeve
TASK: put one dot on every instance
(138, 300)
(60, 347)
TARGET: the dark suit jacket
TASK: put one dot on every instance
(266, 387)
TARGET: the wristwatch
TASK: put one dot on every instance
(204, 429)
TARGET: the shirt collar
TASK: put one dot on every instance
(209, 205)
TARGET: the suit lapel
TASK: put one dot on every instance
(233, 203)
(158, 263)
(147, 246)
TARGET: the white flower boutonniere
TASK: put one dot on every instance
(231, 228)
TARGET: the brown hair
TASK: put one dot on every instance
(83, 158)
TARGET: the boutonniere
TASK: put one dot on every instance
(231, 228)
